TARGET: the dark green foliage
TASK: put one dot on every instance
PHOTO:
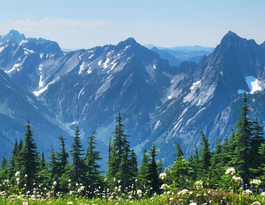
(62, 162)
(143, 177)
(119, 164)
(241, 158)
(205, 153)
(181, 172)
(42, 161)
(155, 182)
(4, 163)
(179, 151)
(29, 163)
(77, 172)
(93, 178)
(133, 171)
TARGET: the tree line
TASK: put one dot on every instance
(79, 169)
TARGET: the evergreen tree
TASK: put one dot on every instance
(133, 167)
(62, 162)
(29, 159)
(42, 161)
(14, 160)
(195, 164)
(180, 172)
(261, 169)
(205, 154)
(77, 173)
(217, 165)
(4, 162)
(144, 174)
(93, 178)
(4, 168)
(119, 156)
(179, 151)
(256, 141)
(241, 158)
(155, 182)
(53, 164)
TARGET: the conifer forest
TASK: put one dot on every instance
(232, 173)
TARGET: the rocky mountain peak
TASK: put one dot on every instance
(13, 37)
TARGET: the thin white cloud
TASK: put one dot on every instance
(48, 24)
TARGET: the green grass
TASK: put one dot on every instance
(185, 197)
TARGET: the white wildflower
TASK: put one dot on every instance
(198, 184)
(255, 182)
(247, 192)
(262, 194)
(237, 179)
(230, 170)
(164, 186)
(162, 175)
(182, 192)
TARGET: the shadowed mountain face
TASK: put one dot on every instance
(159, 103)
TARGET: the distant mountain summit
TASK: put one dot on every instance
(159, 102)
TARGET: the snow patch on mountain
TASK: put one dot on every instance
(193, 88)
(2, 48)
(91, 56)
(254, 85)
(16, 66)
(41, 76)
(202, 97)
(105, 64)
(158, 123)
(27, 51)
(37, 93)
(23, 42)
(82, 68)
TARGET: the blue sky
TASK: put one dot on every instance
(88, 23)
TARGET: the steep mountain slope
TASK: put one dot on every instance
(98, 83)
(203, 103)
(16, 107)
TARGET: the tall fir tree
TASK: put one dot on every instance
(143, 177)
(118, 164)
(180, 172)
(133, 167)
(205, 153)
(256, 141)
(217, 165)
(93, 173)
(241, 158)
(14, 160)
(29, 159)
(42, 161)
(62, 162)
(155, 182)
(77, 173)
(62, 157)
(4, 169)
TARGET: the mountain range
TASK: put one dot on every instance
(159, 102)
